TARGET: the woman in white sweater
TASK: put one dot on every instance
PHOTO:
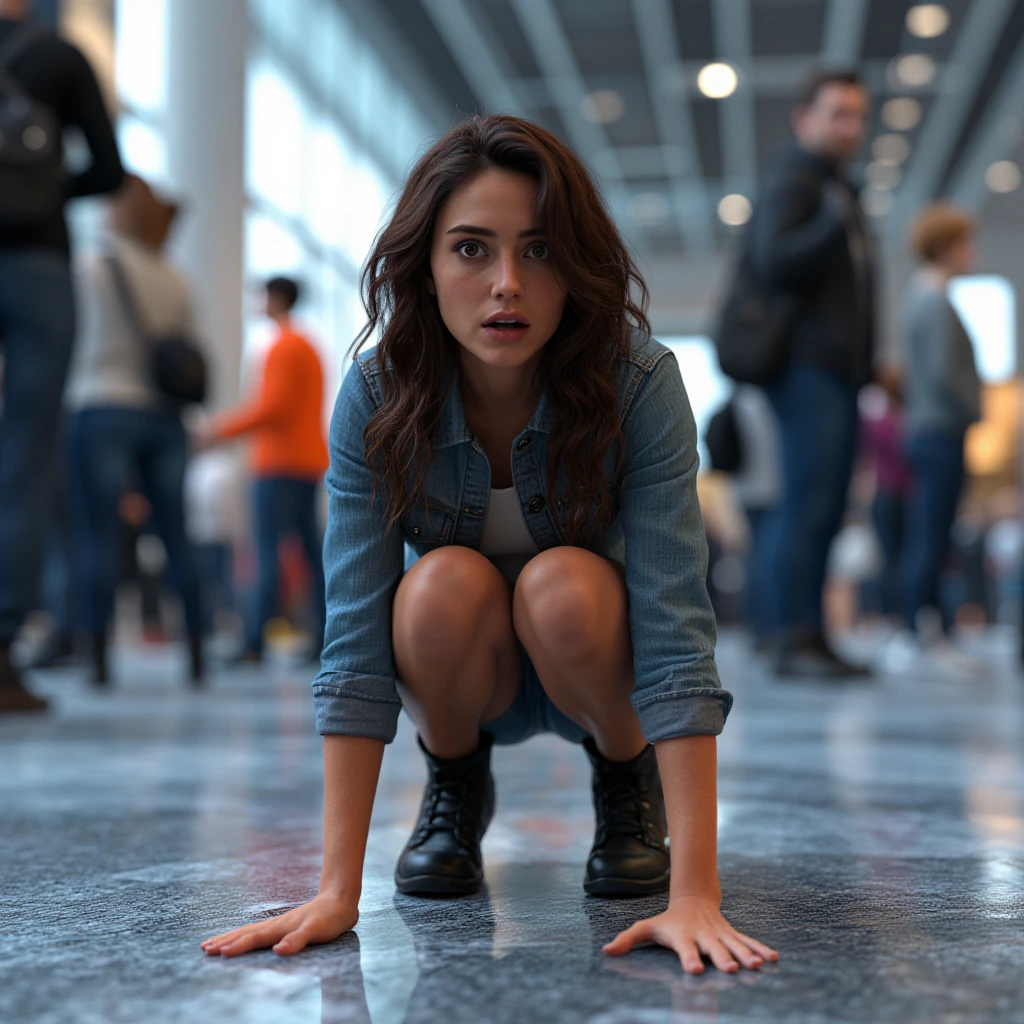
(124, 435)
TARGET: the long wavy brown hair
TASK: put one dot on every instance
(416, 354)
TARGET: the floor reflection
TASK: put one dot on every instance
(876, 837)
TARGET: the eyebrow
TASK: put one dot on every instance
(473, 229)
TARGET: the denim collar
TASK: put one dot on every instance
(453, 428)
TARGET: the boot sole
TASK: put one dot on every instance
(612, 888)
(436, 885)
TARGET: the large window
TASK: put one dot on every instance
(330, 135)
(706, 386)
(987, 305)
(141, 63)
(330, 138)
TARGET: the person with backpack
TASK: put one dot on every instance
(126, 431)
(800, 323)
(45, 85)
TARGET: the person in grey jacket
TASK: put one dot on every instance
(943, 398)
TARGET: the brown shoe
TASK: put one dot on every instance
(13, 695)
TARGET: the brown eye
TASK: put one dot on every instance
(538, 251)
(471, 250)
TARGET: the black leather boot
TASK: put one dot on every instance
(442, 857)
(630, 855)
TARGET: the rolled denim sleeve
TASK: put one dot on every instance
(355, 693)
(677, 691)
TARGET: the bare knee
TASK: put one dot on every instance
(446, 599)
(570, 602)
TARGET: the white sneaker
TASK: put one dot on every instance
(901, 654)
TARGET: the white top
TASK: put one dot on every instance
(506, 539)
(111, 365)
(215, 488)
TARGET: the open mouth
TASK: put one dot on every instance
(501, 324)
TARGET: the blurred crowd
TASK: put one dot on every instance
(112, 487)
(838, 493)
(842, 497)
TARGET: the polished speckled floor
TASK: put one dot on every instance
(874, 835)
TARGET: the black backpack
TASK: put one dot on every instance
(725, 447)
(32, 179)
(753, 332)
(177, 367)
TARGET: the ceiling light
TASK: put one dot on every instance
(883, 174)
(1003, 176)
(717, 81)
(875, 203)
(891, 147)
(927, 21)
(734, 210)
(603, 106)
(649, 208)
(916, 69)
(901, 115)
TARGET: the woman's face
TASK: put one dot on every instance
(496, 288)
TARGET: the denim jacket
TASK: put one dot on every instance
(657, 534)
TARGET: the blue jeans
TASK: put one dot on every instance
(937, 461)
(283, 506)
(37, 327)
(215, 561)
(758, 602)
(115, 451)
(817, 415)
(887, 515)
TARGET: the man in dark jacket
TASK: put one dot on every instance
(807, 239)
(37, 323)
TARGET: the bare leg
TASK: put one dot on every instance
(456, 653)
(571, 612)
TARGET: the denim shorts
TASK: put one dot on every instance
(532, 712)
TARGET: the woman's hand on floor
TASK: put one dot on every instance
(693, 926)
(321, 920)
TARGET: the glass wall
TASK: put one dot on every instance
(706, 386)
(330, 136)
(141, 69)
(330, 139)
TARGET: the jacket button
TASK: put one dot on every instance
(523, 442)
(535, 504)
(415, 531)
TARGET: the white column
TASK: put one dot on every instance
(207, 47)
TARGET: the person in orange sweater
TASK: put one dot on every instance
(289, 459)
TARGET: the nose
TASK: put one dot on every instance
(506, 282)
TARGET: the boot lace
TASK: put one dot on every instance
(447, 808)
(623, 810)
